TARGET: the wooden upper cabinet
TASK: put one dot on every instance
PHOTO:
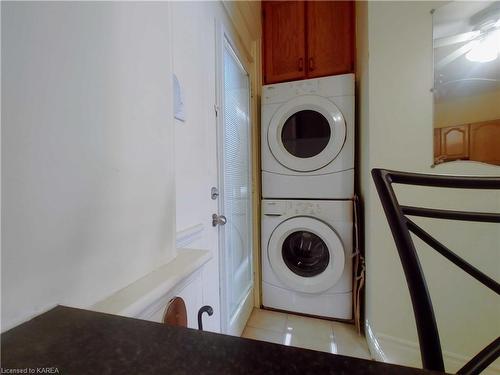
(455, 142)
(437, 145)
(307, 39)
(478, 142)
(485, 142)
(330, 37)
(284, 40)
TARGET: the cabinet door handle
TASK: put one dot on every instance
(311, 63)
(301, 64)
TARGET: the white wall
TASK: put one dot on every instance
(193, 25)
(87, 151)
(396, 133)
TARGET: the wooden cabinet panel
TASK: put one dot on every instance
(478, 142)
(307, 39)
(437, 145)
(485, 142)
(455, 142)
(284, 40)
(330, 37)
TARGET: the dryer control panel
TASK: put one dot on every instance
(274, 208)
(290, 208)
(286, 91)
(306, 208)
(328, 87)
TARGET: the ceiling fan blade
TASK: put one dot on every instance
(454, 55)
(454, 39)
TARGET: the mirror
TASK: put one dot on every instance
(466, 41)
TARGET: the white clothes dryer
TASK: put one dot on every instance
(307, 257)
(307, 139)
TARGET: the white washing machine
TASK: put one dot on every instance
(308, 139)
(307, 256)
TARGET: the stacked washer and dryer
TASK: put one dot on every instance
(307, 190)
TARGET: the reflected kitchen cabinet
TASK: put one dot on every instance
(477, 142)
(455, 142)
(437, 146)
(484, 142)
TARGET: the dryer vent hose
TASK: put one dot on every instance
(359, 268)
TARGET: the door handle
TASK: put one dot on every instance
(301, 64)
(311, 64)
(209, 310)
(218, 220)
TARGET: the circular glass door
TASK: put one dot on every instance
(306, 254)
(306, 133)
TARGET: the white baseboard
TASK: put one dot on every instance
(373, 345)
(386, 348)
(187, 236)
(241, 316)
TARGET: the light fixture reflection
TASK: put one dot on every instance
(485, 50)
(288, 339)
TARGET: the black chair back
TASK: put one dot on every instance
(401, 226)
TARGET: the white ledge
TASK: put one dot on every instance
(187, 236)
(134, 298)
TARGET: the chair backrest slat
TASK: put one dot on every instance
(454, 258)
(482, 359)
(400, 225)
(485, 217)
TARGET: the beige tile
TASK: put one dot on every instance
(263, 335)
(344, 328)
(310, 342)
(309, 327)
(349, 342)
(306, 333)
(270, 320)
(353, 351)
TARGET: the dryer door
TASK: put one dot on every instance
(306, 255)
(306, 133)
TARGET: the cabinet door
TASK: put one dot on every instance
(283, 38)
(455, 142)
(330, 37)
(485, 142)
(437, 146)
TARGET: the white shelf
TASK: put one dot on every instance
(134, 298)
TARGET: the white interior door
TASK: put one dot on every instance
(235, 198)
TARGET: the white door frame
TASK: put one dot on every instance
(236, 326)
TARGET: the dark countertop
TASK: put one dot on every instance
(85, 342)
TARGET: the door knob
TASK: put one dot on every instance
(218, 220)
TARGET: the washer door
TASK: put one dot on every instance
(306, 255)
(306, 133)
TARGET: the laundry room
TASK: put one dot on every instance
(257, 187)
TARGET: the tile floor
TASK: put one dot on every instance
(308, 333)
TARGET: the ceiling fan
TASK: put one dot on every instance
(482, 44)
